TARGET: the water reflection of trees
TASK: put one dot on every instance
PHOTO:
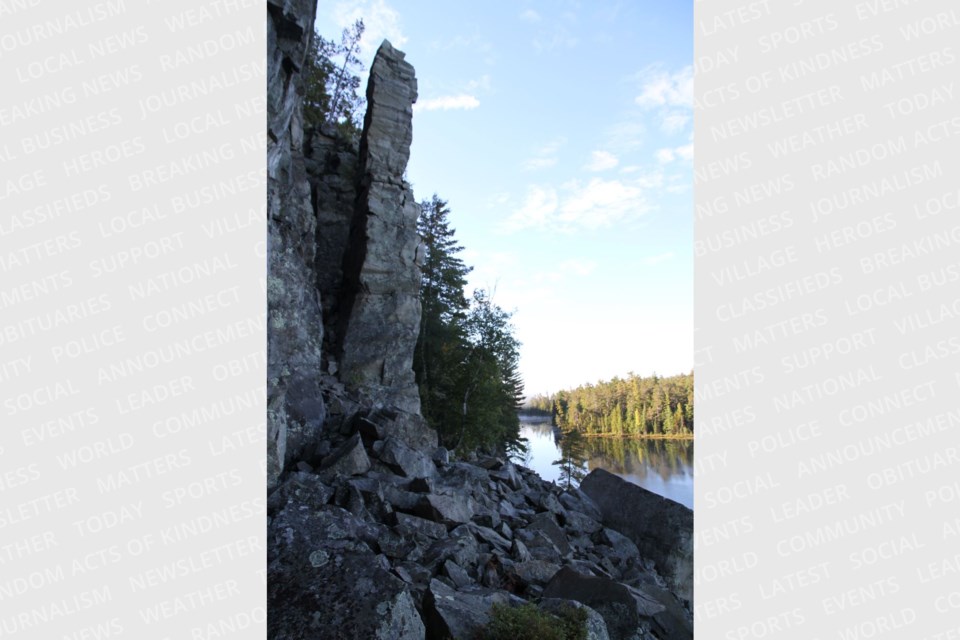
(625, 456)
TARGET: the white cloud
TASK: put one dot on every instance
(601, 161)
(600, 202)
(538, 209)
(661, 89)
(665, 156)
(668, 155)
(674, 121)
(579, 205)
(530, 16)
(445, 103)
(381, 21)
(546, 156)
(671, 93)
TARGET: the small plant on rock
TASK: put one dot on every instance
(529, 622)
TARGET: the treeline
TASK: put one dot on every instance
(631, 406)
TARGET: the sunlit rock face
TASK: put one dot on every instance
(343, 279)
(380, 314)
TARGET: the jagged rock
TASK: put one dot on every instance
(458, 614)
(617, 546)
(488, 535)
(325, 581)
(411, 429)
(662, 529)
(380, 310)
(536, 570)
(577, 500)
(461, 547)
(456, 573)
(444, 509)
(441, 456)
(301, 488)
(489, 519)
(508, 473)
(579, 523)
(625, 611)
(596, 627)
(349, 459)
(401, 499)
(545, 522)
(548, 502)
(540, 546)
(410, 462)
(408, 525)
(519, 551)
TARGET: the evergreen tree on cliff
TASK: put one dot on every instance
(441, 344)
(466, 359)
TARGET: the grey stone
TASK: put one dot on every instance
(579, 523)
(462, 549)
(576, 500)
(295, 407)
(662, 529)
(546, 523)
(536, 570)
(348, 459)
(624, 610)
(409, 462)
(456, 573)
(408, 525)
(409, 428)
(444, 509)
(458, 614)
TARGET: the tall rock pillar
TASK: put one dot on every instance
(380, 317)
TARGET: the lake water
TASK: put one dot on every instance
(662, 466)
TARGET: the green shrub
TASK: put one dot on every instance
(527, 622)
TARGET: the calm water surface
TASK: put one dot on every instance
(662, 466)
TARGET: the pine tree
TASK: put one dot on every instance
(442, 343)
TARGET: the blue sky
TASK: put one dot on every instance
(561, 134)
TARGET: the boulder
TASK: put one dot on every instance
(408, 525)
(458, 615)
(406, 461)
(545, 523)
(625, 611)
(536, 570)
(323, 580)
(662, 529)
(444, 509)
(460, 547)
(409, 428)
(348, 459)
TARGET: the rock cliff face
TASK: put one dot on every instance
(343, 279)
(373, 532)
(295, 404)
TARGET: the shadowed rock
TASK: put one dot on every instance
(662, 529)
